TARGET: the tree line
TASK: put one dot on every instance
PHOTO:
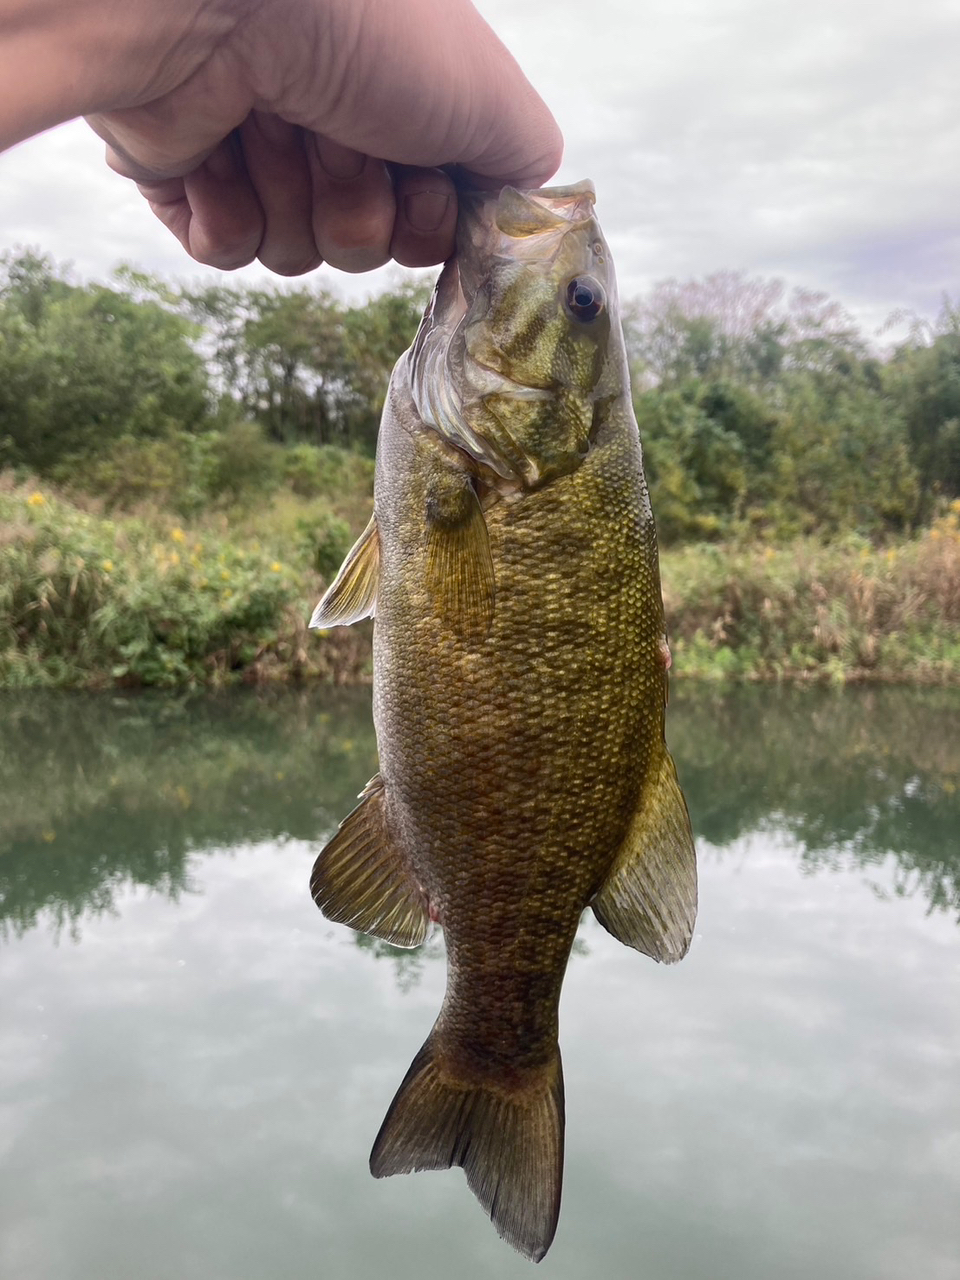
(761, 411)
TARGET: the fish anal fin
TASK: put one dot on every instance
(353, 593)
(509, 1142)
(649, 899)
(360, 879)
(459, 567)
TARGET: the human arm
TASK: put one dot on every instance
(261, 128)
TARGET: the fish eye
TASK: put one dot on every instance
(585, 298)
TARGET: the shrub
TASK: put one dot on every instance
(85, 599)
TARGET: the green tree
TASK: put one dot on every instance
(695, 466)
(767, 406)
(81, 366)
(840, 458)
(302, 365)
(375, 336)
(924, 379)
(295, 366)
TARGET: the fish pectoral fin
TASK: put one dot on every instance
(360, 878)
(649, 899)
(353, 593)
(508, 1141)
(459, 566)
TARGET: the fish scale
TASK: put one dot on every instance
(519, 693)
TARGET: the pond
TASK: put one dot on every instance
(194, 1063)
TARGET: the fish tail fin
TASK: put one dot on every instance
(508, 1141)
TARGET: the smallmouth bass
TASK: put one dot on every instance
(520, 686)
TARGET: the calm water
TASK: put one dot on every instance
(193, 1063)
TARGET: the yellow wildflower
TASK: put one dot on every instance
(178, 535)
(36, 500)
(225, 574)
(107, 566)
(174, 557)
(276, 566)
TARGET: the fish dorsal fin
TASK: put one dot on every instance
(362, 880)
(649, 899)
(459, 566)
(353, 593)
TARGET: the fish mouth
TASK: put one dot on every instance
(508, 226)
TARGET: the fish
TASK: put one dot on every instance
(519, 695)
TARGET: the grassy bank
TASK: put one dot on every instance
(94, 599)
(91, 600)
(847, 611)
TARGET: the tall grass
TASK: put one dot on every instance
(845, 611)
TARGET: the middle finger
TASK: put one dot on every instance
(353, 205)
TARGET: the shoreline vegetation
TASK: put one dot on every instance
(183, 469)
(91, 599)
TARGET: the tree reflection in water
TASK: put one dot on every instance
(101, 793)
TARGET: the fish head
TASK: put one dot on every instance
(515, 349)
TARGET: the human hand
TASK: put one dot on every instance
(301, 131)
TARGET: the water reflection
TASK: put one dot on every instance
(193, 1089)
(104, 792)
(853, 776)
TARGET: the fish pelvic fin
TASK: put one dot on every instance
(353, 593)
(361, 879)
(459, 565)
(649, 899)
(508, 1141)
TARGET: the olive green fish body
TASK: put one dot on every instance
(512, 766)
(520, 678)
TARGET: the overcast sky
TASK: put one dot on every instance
(817, 142)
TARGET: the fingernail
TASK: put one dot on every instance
(426, 210)
(342, 163)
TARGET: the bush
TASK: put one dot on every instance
(324, 541)
(176, 472)
(89, 600)
(844, 611)
(313, 471)
(182, 473)
(244, 464)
